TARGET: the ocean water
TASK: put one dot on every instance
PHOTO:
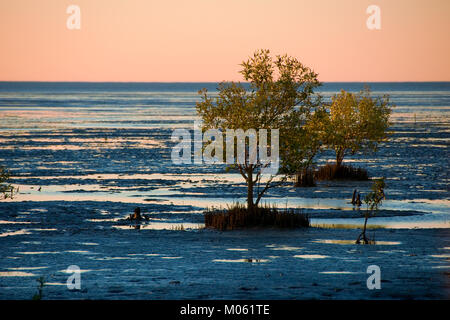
(84, 155)
(111, 142)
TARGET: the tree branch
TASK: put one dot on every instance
(267, 187)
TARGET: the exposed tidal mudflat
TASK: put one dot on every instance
(85, 155)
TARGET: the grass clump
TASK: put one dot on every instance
(344, 172)
(305, 178)
(238, 216)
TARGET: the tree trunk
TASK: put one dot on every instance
(364, 229)
(339, 157)
(354, 197)
(363, 233)
(250, 205)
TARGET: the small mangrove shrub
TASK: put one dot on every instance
(238, 216)
(372, 200)
(305, 178)
(344, 172)
(41, 283)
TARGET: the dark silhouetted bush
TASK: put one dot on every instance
(345, 172)
(305, 179)
(238, 217)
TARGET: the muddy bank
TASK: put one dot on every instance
(126, 263)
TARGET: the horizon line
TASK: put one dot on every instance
(64, 81)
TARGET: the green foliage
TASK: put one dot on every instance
(373, 200)
(375, 197)
(356, 122)
(280, 97)
(6, 189)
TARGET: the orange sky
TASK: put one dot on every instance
(205, 40)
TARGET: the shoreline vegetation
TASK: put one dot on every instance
(281, 96)
(238, 216)
(90, 186)
(329, 171)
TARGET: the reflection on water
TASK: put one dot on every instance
(14, 233)
(16, 274)
(287, 248)
(338, 272)
(432, 221)
(79, 251)
(181, 193)
(55, 284)
(249, 260)
(336, 241)
(114, 258)
(14, 222)
(161, 226)
(111, 143)
(81, 271)
(38, 252)
(445, 256)
(310, 256)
